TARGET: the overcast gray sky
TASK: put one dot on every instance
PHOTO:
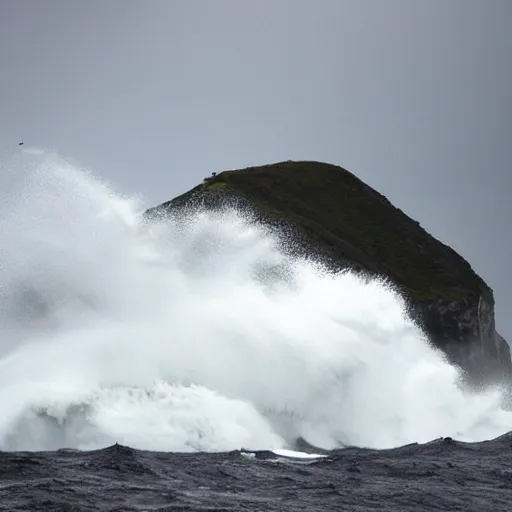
(413, 96)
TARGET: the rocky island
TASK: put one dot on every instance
(330, 214)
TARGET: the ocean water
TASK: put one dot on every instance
(196, 334)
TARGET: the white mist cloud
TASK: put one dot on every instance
(196, 334)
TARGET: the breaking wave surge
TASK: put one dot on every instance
(198, 334)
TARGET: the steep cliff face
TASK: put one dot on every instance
(328, 212)
(466, 333)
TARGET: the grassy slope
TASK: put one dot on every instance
(349, 220)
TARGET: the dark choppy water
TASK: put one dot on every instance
(442, 475)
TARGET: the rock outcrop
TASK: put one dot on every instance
(331, 214)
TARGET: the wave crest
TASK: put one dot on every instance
(197, 334)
